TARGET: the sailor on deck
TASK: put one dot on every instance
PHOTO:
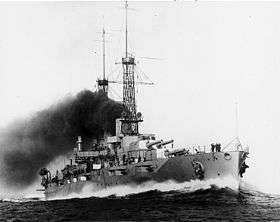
(218, 147)
(212, 147)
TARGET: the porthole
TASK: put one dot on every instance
(227, 156)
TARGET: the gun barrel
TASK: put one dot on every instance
(164, 143)
(167, 142)
(150, 144)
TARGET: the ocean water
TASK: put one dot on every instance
(191, 201)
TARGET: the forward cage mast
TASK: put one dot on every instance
(130, 116)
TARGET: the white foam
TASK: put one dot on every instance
(123, 190)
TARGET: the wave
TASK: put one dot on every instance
(185, 187)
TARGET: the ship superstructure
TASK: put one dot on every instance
(130, 157)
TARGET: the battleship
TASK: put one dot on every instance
(133, 158)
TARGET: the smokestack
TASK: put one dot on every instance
(79, 143)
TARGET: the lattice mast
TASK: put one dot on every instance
(130, 117)
(102, 84)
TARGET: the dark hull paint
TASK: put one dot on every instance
(179, 169)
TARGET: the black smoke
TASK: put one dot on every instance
(30, 144)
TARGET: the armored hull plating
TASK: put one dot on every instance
(180, 169)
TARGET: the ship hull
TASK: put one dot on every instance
(179, 168)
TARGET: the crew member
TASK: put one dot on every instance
(212, 147)
(218, 147)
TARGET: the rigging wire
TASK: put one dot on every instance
(112, 91)
(143, 73)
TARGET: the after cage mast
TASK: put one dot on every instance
(102, 84)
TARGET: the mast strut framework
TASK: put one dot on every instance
(130, 116)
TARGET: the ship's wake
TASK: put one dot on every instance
(185, 187)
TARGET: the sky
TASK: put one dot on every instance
(210, 56)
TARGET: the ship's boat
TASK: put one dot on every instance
(129, 157)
